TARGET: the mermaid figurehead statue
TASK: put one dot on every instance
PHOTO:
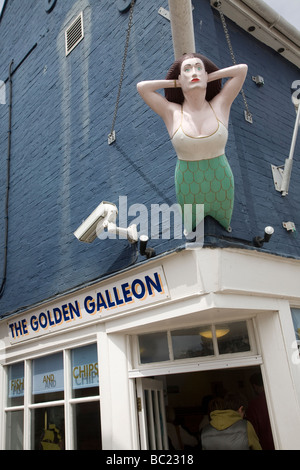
(195, 110)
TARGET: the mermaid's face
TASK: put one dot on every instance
(192, 74)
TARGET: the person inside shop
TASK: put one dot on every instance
(257, 413)
(228, 430)
(179, 438)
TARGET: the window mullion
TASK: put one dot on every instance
(3, 400)
(27, 402)
(170, 346)
(215, 341)
(69, 440)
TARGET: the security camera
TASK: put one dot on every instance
(96, 222)
(104, 218)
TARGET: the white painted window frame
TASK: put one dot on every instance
(68, 402)
(217, 361)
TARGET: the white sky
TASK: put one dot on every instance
(288, 9)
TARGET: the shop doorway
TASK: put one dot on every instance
(187, 396)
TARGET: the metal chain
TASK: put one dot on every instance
(248, 115)
(112, 135)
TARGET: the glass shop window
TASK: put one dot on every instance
(192, 342)
(232, 338)
(15, 397)
(47, 428)
(14, 430)
(204, 341)
(85, 376)
(296, 322)
(85, 386)
(47, 423)
(153, 347)
(59, 382)
(48, 378)
(87, 430)
(15, 393)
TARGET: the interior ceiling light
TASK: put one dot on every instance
(219, 333)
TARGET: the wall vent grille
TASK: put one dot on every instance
(74, 34)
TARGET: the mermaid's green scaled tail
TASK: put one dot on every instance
(209, 182)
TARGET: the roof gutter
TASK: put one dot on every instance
(274, 20)
(182, 27)
(264, 23)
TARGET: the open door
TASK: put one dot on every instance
(152, 417)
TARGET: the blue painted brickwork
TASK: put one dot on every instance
(62, 166)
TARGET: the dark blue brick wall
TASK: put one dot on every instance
(254, 147)
(62, 166)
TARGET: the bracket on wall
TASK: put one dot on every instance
(248, 116)
(259, 80)
(165, 13)
(277, 172)
(289, 226)
(111, 137)
(282, 174)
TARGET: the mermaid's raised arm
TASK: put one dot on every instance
(157, 102)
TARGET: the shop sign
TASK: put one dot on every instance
(111, 299)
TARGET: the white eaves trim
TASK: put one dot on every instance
(2, 3)
(265, 24)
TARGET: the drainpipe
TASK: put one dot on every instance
(182, 27)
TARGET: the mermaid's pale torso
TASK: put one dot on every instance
(203, 175)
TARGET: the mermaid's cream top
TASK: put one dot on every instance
(200, 148)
